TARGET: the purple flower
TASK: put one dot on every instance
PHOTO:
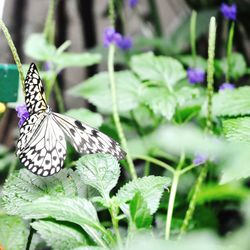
(199, 159)
(226, 85)
(47, 66)
(111, 36)
(125, 43)
(132, 3)
(22, 113)
(195, 75)
(229, 11)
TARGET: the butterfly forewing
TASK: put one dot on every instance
(34, 91)
(87, 140)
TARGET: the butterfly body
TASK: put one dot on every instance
(42, 143)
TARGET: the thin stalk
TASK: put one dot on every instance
(210, 81)
(115, 111)
(49, 23)
(147, 168)
(115, 223)
(176, 176)
(193, 36)
(155, 161)
(229, 51)
(59, 98)
(188, 168)
(13, 51)
(12, 166)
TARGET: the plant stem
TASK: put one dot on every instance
(155, 161)
(49, 23)
(59, 98)
(147, 168)
(115, 111)
(210, 81)
(176, 176)
(229, 51)
(12, 166)
(193, 36)
(114, 220)
(13, 51)
(188, 168)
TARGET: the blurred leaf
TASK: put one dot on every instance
(59, 236)
(38, 48)
(150, 187)
(86, 116)
(77, 210)
(215, 192)
(161, 101)
(100, 171)
(188, 60)
(158, 68)
(6, 160)
(140, 214)
(237, 129)
(97, 91)
(13, 233)
(69, 59)
(231, 102)
(24, 187)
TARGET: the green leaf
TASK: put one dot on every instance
(189, 61)
(237, 130)
(86, 116)
(231, 102)
(38, 48)
(150, 187)
(13, 233)
(158, 68)
(140, 214)
(100, 171)
(161, 101)
(59, 236)
(68, 59)
(77, 210)
(97, 91)
(24, 187)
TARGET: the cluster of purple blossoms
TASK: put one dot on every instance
(132, 3)
(229, 11)
(195, 75)
(111, 36)
(22, 113)
(199, 159)
(226, 85)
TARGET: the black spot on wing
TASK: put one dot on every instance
(79, 125)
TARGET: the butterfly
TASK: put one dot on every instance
(41, 146)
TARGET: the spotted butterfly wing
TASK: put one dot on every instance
(42, 143)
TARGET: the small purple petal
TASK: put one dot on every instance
(110, 36)
(226, 85)
(229, 11)
(132, 3)
(47, 66)
(199, 159)
(22, 113)
(125, 43)
(195, 75)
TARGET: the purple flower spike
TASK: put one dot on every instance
(226, 85)
(125, 43)
(110, 36)
(229, 11)
(22, 113)
(199, 159)
(195, 75)
(132, 3)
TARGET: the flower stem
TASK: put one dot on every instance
(176, 176)
(210, 81)
(115, 223)
(115, 111)
(49, 26)
(13, 51)
(193, 35)
(229, 51)
(147, 168)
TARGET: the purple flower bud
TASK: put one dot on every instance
(226, 85)
(229, 11)
(22, 113)
(132, 3)
(47, 66)
(111, 36)
(125, 43)
(195, 75)
(199, 159)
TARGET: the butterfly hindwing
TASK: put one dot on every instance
(86, 139)
(34, 91)
(45, 153)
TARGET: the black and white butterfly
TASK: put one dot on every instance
(42, 143)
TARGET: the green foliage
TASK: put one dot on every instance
(150, 187)
(59, 236)
(139, 212)
(13, 233)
